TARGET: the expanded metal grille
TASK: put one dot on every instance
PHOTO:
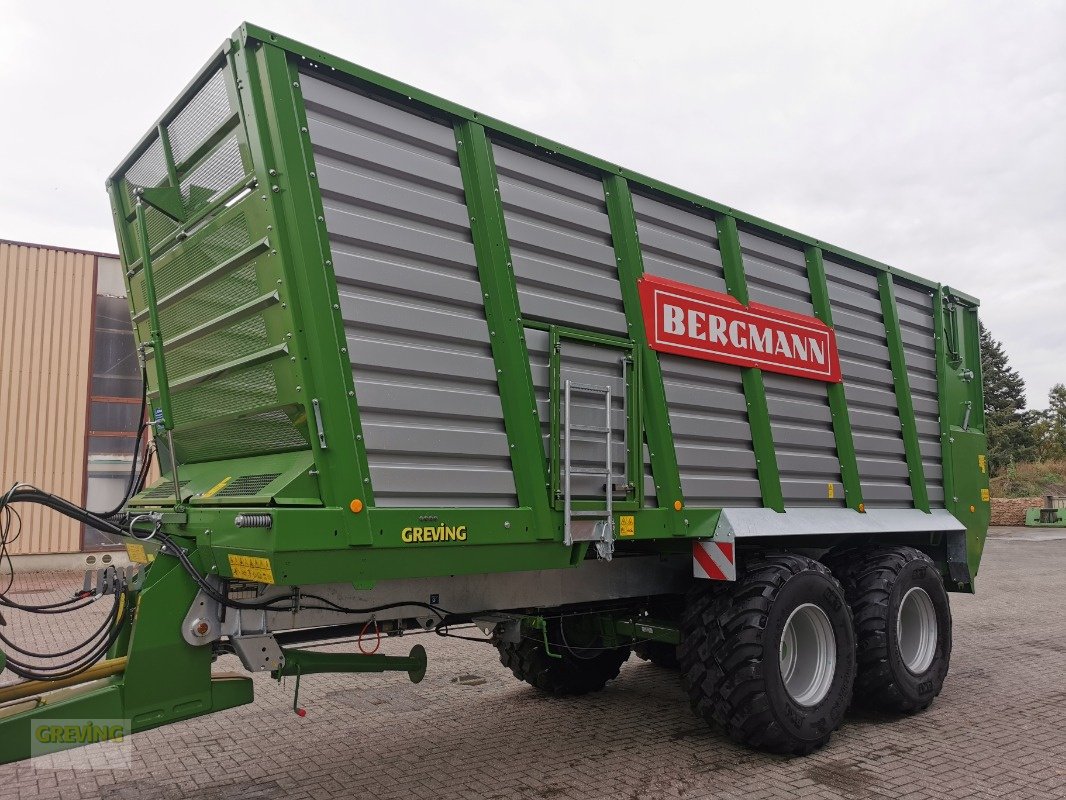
(237, 341)
(270, 431)
(218, 172)
(241, 391)
(248, 485)
(208, 302)
(165, 489)
(204, 115)
(210, 250)
(216, 292)
(148, 171)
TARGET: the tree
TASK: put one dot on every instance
(1008, 425)
(1053, 425)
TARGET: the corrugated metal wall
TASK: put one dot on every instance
(560, 239)
(411, 302)
(46, 303)
(915, 307)
(867, 370)
(708, 414)
(800, 419)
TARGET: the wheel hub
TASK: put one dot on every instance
(808, 654)
(916, 633)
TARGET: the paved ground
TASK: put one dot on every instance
(998, 730)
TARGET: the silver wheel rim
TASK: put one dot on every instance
(808, 654)
(916, 630)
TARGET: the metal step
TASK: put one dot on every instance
(589, 428)
(592, 471)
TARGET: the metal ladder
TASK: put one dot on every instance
(603, 531)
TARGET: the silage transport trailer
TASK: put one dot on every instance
(412, 368)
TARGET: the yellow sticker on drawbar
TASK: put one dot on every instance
(218, 487)
(136, 553)
(981, 463)
(627, 526)
(251, 568)
(984, 495)
(831, 490)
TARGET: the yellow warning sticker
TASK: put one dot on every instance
(218, 487)
(627, 526)
(251, 568)
(831, 490)
(136, 553)
(981, 464)
(985, 495)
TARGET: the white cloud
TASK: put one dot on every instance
(927, 135)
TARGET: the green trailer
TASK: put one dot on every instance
(411, 368)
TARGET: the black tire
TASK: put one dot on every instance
(584, 668)
(875, 583)
(730, 654)
(660, 654)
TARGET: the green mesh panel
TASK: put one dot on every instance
(204, 114)
(198, 257)
(267, 432)
(243, 412)
(236, 392)
(219, 171)
(248, 484)
(243, 339)
(208, 303)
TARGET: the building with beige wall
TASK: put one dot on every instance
(70, 388)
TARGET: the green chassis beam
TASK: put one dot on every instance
(165, 679)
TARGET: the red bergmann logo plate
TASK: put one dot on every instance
(698, 323)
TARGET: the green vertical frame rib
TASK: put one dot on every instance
(947, 452)
(656, 414)
(762, 437)
(838, 404)
(904, 402)
(284, 165)
(504, 318)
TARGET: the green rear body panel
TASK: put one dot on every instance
(264, 397)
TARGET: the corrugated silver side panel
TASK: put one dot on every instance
(538, 344)
(411, 302)
(708, 414)
(800, 419)
(868, 385)
(915, 306)
(560, 239)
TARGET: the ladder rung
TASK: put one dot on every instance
(580, 387)
(587, 514)
(590, 471)
(590, 428)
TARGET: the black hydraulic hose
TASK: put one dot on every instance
(138, 456)
(75, 666)
(88, 661)
(74, 649)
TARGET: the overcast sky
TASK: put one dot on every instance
(931, 136)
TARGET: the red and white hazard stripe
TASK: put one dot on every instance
(714, 560)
